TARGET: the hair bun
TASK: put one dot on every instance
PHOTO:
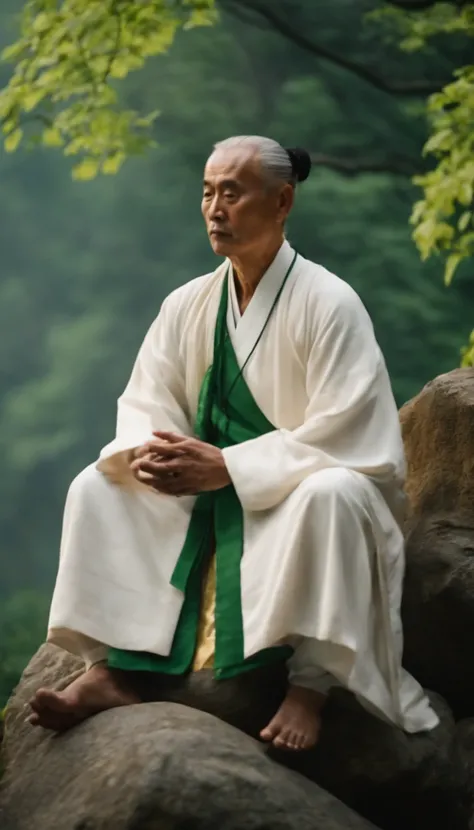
(300, 163)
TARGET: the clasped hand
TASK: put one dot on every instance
(179, 466)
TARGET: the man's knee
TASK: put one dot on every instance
(89, 482)
(334, 483)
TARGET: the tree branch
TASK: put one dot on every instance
(285, 28)
(413, 5)
(246, 15)
(355, 167)
(421, 5)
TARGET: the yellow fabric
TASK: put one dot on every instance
(206, 638)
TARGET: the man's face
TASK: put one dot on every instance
(242, 212)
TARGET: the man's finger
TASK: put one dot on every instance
(161, 469)
(171, 437)
(167, 485)
(139, 452)
(135, 464)
(145, 478)
(185, 446)
(154, 447)
(166, 450)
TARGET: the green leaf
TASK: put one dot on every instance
(452, 263)
(41, 22)
(52, 137)
(86, 170)
(418, 211)
(147, 120)
(441, 140)
(464, 220)
(467, 352)
(113, 164)
(31, 99)
(8, 126)
(466, 193)
(13, 52)
(119, 69)
(13, 139)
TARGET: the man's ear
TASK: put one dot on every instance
(286, 199)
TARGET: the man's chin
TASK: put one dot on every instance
(222, 245)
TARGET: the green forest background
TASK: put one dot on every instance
(85, 265)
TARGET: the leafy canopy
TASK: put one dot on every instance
(443, 218)
(66, 60)
(71, 53)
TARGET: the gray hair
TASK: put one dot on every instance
(274, 158)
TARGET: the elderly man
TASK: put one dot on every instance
(258, 452)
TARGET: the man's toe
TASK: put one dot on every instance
(283, 739)
(270, 732)
(294, 741)
(279, 742)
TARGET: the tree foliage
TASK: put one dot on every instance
(70, 54)
(444, 216)
(66, 61)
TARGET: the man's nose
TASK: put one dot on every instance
(215, 208)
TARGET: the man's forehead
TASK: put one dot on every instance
(233, 164)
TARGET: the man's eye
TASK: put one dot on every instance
(229, 194)
(207, 194)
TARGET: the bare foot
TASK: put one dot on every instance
(96, 690)
(297, 723)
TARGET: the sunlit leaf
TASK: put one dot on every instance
(451, 264)
(86, 170)
(12, 140)
(52, 137)
(31, 99)
(69, 56)
(464, 220)
(113, 164)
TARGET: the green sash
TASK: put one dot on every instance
(227, 415)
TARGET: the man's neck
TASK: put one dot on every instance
(249, 271)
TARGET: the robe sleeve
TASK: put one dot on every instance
(154, 398)
(351, 419)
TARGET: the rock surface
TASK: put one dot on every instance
(438, 434)
(159, 765)
(398, 781)
(156, 766)
(465, 744)
(438, 603)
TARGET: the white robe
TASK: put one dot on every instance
(322, 494)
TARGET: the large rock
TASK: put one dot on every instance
(438, 604)
(155, 766)
(398, 781)
(160, 765)
(465, 745)
(438, 433)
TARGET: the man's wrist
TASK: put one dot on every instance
(225, 472)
